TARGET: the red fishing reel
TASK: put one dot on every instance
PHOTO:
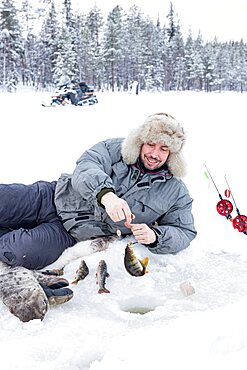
(240, 223)
(224, 207)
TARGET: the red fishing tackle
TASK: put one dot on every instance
(224, 207)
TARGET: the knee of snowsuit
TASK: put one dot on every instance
(31, 233)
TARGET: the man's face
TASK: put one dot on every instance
(153, 156)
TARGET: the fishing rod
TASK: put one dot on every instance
(224, 207)
(240, 221)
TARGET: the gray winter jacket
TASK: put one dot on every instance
(157, 199)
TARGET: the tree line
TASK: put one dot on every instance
(110, 54)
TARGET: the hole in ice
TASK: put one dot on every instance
(140, 305)
(141, 310)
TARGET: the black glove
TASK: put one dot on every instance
(54, 286)
(28, 294)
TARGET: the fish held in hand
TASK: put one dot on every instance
(81, 273)
(101, 276)
(133, 265)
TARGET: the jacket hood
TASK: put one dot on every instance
(158, 128)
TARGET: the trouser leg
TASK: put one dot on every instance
(35, 248)
(31, 233)
(26, 205)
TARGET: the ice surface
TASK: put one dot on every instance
(145, 322)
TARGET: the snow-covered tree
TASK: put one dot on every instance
(94, 25)
(111, 54)
(210, 64)
(66, 58)
(47, 48)
(174, 64)
(193, 76)
(135, 45)
(113, 50)
(11, 45)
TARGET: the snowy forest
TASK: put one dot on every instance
(41, 45)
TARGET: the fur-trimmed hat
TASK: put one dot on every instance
(157, 128)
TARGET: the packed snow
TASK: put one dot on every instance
(147, 322)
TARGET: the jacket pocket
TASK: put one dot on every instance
(144, 213)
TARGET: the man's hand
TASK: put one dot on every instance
(142, 233)
(116, 207)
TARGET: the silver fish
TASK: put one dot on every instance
(81, 273)
(133, 265)
(101, 276)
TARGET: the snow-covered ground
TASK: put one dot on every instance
(145, 322)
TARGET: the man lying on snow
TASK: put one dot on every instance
(130, 185)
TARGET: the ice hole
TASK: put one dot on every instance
(141, 310)
(140, 305)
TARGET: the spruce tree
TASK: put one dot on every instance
(113, 51)
(11, 46)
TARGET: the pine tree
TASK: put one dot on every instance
(94, 25)
(28, 65)
(27, 16)
(134, 46)
(11, 46)
(47, 48)
(238, 66)
(82, 47)
(209, 64)
(152, 56)
(194, 68)
(65, 64)
(198, 71)
(113, 51)
(175, 53)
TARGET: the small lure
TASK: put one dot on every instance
(133, 265)
(101, 276)
(81, 273)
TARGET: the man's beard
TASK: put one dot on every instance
(146, 169)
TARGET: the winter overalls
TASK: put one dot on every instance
(31, 233)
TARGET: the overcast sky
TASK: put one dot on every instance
(225, 19)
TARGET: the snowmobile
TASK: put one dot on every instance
(85, 95)
(69, 93)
